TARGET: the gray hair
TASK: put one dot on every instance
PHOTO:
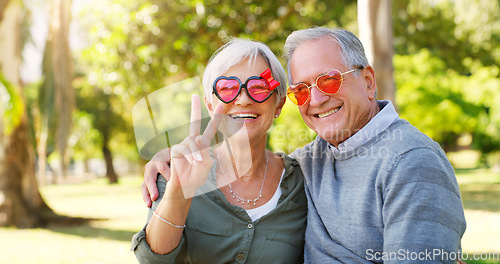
(236, 51)
(352, 52)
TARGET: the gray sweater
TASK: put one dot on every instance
(392, 199)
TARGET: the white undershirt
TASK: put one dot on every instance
(262, 210)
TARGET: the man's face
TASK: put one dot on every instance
(333, 117)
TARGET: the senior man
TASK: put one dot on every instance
(378, 189)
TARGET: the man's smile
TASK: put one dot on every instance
(327, 113)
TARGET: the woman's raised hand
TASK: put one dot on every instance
(190, 160)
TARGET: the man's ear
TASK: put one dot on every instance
(371, 84)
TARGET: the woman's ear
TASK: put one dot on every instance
(208, 105)
(281, 103)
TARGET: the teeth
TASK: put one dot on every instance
(329, 112)
(240, 116)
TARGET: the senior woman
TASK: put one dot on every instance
(257, 212)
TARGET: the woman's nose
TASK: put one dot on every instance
(243, 98)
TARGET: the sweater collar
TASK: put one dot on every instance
(375, 126)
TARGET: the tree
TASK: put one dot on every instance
(375, 31)
(56, 97)
(486, 138)
(431, 97)
(139, 47)
(105, 120)
(458, 32)
(21, 204)
(463, 89)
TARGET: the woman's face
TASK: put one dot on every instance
(244, 117)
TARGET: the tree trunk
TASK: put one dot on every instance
(42, 157)
(64, 165)
(21, 204)
(110, 170)
(56, 95)
(3, 6)
(375, 31)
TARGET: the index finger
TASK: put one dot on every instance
(212, 125)
(195, 124)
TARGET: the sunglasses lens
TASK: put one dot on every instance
(291, 96)
(330, 82)
(298, 94)
(258, 90)
(227, 89)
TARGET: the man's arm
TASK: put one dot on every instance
(423, 212)
(160, 163)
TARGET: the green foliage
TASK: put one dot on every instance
(452, 87)
(455, 31)
(289, 131)
(444, 104)
(484, 90)
(145, 45)
(11, 106)
(98, 122)
(138, 47)
(85, 141)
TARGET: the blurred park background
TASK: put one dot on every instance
(71, 71)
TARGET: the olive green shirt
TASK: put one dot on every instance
(219, 232)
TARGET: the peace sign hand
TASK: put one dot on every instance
(191, 161)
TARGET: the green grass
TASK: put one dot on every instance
(480, 190)
(121, 213)
(482, 261)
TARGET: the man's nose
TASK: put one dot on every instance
(317, 97)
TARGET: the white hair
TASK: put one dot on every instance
(352, 52)
(234, 52)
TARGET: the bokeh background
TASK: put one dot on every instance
(71, 71)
